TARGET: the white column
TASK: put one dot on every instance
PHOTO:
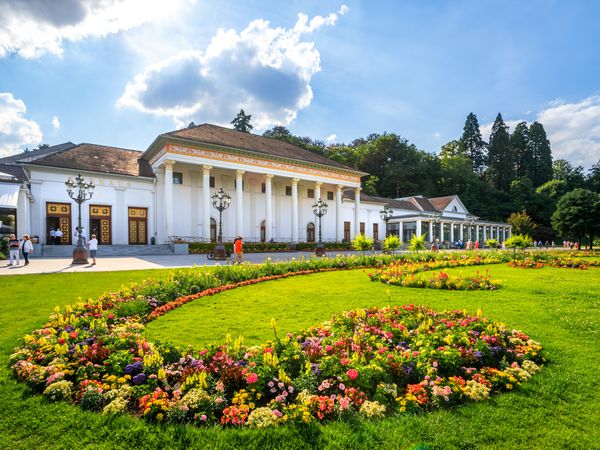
(400, 230)
(419, 225)
(121, 231)
(23, 220)
(268, 208)
(239, 202)
(484, 233)
(431, 237)
(206, 202)
(318, 190)
(441, 231)
(295, 209)
(168, 198)
(357, 211)
(476, 233)
(339, 232)
(451, 232)
(461, 232)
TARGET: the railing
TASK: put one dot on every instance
(249, 239)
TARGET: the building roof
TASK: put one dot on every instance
(441, 202)
(392, 202)
(422, 203)
(35, 154)
(98, 158)
(9, 172)
(216, 135)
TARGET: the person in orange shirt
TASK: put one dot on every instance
(238, 249)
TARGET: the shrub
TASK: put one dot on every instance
(492, 243)
(392, 243)
(417, 243)
(518, 241)
(362, 243)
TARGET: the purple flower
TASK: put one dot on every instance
(140, 378)
(134, 368)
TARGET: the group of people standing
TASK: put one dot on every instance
(17, 246)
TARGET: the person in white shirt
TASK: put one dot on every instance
(93, 246)
(58, 235)
(52, 236)
(26, 248)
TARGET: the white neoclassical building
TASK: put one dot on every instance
(165, 193)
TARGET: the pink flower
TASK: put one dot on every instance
(352, 374)
(251, 378)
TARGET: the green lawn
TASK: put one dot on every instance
(558, 408)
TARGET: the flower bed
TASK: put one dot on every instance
(557, 262)
(526, 263)
(409, 274)
(370, 362)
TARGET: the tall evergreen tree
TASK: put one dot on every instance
(541, 154)
(501, 167)
(242, 122)
(518, 141)
(472, 145)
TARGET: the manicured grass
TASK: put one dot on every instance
(558, 408)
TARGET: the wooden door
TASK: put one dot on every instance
(375, 231)
(101, 223)
(59, 215)
(347, 232)
(310, 232)
(138, 226)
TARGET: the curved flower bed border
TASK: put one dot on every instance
(557, 262)
(369, 362)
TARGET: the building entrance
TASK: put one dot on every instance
(101, 223)
(58, 215)
(138, 226)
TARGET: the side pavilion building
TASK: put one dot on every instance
(165, 192)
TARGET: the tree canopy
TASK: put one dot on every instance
(241, 122)
(577, 214)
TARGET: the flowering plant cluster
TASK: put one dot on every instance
(560, 262)
(370, 362)
(526, 263)
(410, 274)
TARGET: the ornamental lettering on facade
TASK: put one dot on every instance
(257, 162)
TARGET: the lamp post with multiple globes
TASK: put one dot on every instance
(320, 209)
(80, 191)
(220, 201)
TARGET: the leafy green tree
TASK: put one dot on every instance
(518, 241)
(525, 197)
(370, 185)
(453, 149)
(554, 189)
(572, 176)
(277, 131)
(593, 179)
(241, 122)
(501, 167)
(577, 215)
(539, 147)
(417, 243)
(522, 224)
(519, 139)
(473, 145)
(492, 243)
(362, 243)
(392, 243)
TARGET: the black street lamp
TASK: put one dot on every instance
(436, 220)
(220, 201)
(386, 214)
(320, 209)
(80, 191)
(471, 222)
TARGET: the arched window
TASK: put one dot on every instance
(263, 231)
(454, 209)
(310, 232)
(213, 230)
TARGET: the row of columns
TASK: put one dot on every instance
(239, 182)
(501, 232)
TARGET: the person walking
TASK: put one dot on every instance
(238, 249)
(58, 234)
(52, 236)
(13, 250)
(93, 246)
(26, 248)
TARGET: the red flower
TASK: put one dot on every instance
(251, 378)
(352, 374)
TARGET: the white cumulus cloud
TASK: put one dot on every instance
(56, 122)
(31, 28)
(331, 139)
(15, 130)
(263, 69)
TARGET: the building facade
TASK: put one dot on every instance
(164, 193)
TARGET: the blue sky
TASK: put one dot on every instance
(121, 73)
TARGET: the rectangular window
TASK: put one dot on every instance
(263, 187)
(211, 182)
(362, 228)
(329, 195)
(310, 193)
(177, 178)
(288, 191)
(375, 231)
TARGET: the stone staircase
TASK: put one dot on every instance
(66, 251)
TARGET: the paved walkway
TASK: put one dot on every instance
(58, 265)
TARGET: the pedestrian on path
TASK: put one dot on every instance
(13, 250)
(52, 236)
(93, 246)
(238, 249)
(26, 248)
(58, 234)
